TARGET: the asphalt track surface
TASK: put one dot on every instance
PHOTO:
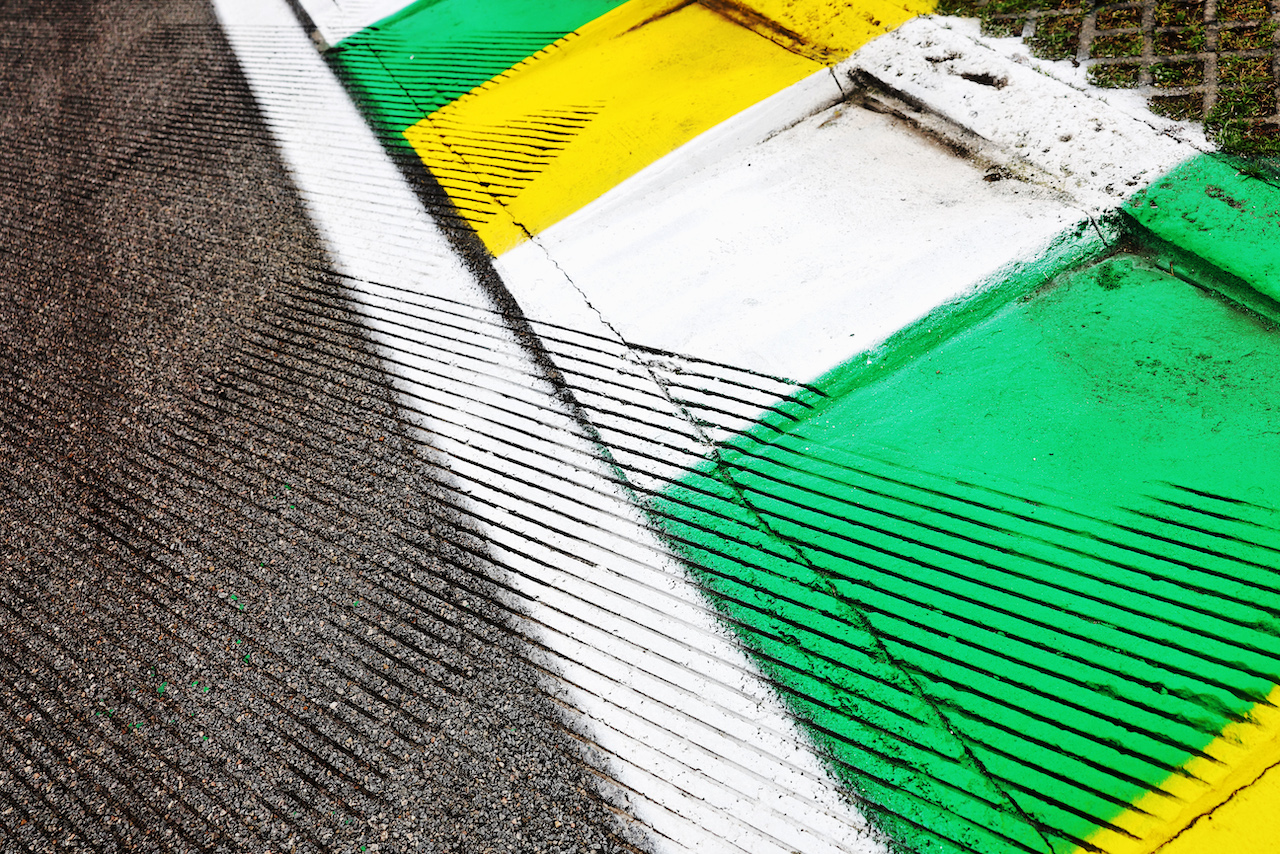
(237, 612)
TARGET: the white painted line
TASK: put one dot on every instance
(704, 755)
(338, 19)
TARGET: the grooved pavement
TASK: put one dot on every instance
(238, 612)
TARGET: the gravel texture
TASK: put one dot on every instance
(237, 614)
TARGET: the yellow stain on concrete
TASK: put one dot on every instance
(1228, 798)
(560, 129)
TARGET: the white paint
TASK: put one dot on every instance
(705, 756)
(337, 19)
(1103, 143)
(787, 255)
(798, 234)
(1129, 102)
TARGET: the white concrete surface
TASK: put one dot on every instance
(1103, 143)
(337, 19)
(792, 253)
(804, 231)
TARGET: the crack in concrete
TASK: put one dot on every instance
(1207, 814)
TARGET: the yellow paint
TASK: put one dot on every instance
(560, 129)
(1166, 819)
(824, 30)
(1248, 823)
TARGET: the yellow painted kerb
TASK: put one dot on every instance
(1247, 823)
(562, 128)
(1226, 804)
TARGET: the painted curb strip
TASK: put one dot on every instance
(949, 575)
(429, 54)
(1248, 823)
(703, 755)
(868, 223)
(977, 792)
(885, 226)
(587, 108)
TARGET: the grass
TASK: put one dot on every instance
(1249, 37)
(1253, 72)
(1114, 75)
(1169, 75)
(1189, 39)
(1239, 121)
(1057, 37)
(1178, 13)
(1242, 10)
(1119, 19)
(1179, 107)
(1129, 44)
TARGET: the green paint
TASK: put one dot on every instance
(1014, 568)
(1219, 210)
(413, 63)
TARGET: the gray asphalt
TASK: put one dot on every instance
(236, 612)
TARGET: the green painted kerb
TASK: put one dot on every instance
(1226, 212)
(1016, 567)
(413, 63)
